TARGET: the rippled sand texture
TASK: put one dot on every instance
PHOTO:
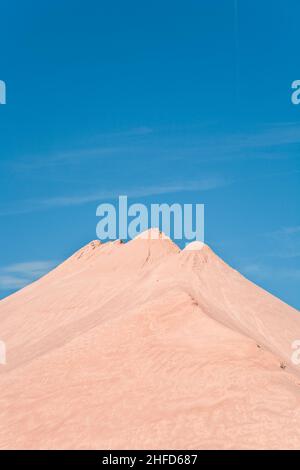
(143, 346)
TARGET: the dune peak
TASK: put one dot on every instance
(152, 233)
(195, 246)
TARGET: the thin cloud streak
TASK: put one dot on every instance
(286, 231)
(205, 184)
(286, 242)
(31, 268)
(18, 275)
(74, 156)
(67, 158)
(262, 144)
(8, 282)
(263, 272)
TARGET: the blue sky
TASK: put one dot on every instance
(166, 101)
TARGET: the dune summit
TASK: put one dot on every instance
(144, 346)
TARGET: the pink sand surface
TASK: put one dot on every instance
(144, 346)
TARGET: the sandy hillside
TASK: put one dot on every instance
(141, 345)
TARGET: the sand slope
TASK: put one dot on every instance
(141, 345)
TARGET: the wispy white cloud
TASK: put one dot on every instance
(134, 132)
(273, 135)
(32, 205)
(264, 142)
(264, 272)
(30, 268)
(12, 282)
(284, 242)
(114, 145)
(286, 231)
(68, 157)
(284, 253)
(18, 275)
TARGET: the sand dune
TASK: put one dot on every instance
(144, 346)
